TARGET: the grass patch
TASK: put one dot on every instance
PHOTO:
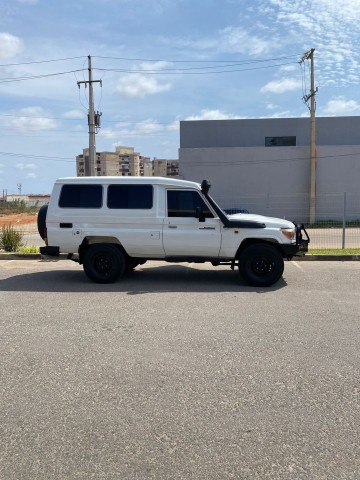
(334, 251)
(334, 224)
(29, 249)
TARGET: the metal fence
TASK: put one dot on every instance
(337, 222)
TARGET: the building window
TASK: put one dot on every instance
(280, 141)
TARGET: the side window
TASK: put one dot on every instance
(81, 196)
(130, 197)
(183, 203)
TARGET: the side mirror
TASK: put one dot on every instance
(199, 214)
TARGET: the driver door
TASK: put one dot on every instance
(183, 233)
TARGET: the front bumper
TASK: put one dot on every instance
(302, 243)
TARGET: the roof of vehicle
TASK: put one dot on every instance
(104, 180)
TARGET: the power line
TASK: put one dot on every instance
(32, 77)
(196, 164)
(38, 157)
(186, 72)
(41, 117)
(196, 61)
(39, 61)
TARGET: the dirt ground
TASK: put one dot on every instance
(17, 219)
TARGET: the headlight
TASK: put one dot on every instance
(289, 233)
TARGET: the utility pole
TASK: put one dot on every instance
(311, 96)
(93, 119)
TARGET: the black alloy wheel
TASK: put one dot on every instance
(104, 263)
(261, 265)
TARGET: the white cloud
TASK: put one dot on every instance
(137, 85)
(31, 175)
(26, 166)
(282, 85)
(74, 115)
(271, 106)
(10, 46)
(31, 119)
(154, 66)
(148, 127)
(340, 106)
(173, 126)
(239, 40)
(328, 26)
(289, 68)
(211, 115)
(108, 133)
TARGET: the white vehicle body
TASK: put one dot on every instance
(156, 218)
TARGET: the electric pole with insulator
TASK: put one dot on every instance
(311, 96)
(93, 119)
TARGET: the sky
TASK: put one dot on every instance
(160, 62)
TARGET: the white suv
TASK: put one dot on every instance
(112, 224)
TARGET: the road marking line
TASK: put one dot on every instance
(298, 266)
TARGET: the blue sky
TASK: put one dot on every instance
(160, 62)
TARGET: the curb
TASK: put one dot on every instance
(306, 258)
(20, 256)
(30, 256)
(327, 258)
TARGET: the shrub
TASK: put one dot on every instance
(10, 239)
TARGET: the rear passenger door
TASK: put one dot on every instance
(183, 233)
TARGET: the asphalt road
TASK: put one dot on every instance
(179, 372)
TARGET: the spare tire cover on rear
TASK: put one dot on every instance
(41, 220)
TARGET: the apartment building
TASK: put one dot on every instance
(165, 168)
(125, 162)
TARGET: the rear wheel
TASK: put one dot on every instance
(103, 263)
(261, 265)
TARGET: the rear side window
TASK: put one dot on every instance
(81, 196)
(130, 197)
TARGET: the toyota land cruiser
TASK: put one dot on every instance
(112, 224)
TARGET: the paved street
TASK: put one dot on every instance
(179, 372)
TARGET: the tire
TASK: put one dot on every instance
(103, 263)
(261, 265)
(41, 220)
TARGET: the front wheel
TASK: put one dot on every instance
(261, 265)
(103, 263)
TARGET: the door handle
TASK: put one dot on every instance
(206, 228)
(172, 226)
